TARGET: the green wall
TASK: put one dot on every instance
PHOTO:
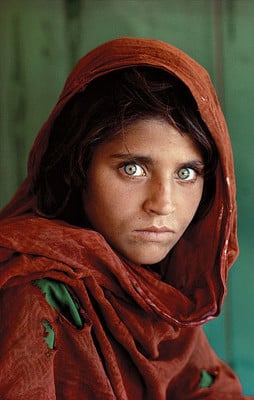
(42, 40)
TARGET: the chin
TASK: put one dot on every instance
(145, 259)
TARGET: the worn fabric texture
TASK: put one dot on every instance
(141, 336)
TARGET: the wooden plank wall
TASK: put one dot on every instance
(42, 39)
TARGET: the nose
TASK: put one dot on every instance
(160, 198)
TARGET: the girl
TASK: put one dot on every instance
(116, 248)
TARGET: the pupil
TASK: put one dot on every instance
(184, 173)
(131, 169)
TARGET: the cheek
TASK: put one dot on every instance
(190, 202)
(102, 203)
(195, 198)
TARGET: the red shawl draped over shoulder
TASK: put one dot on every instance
(141, 337)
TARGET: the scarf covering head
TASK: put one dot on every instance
(138, 320)
(196, 272)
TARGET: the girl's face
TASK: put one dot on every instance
(143, 189)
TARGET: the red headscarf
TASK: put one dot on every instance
(194, 286)
(202, 257)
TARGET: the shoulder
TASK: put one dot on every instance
(26, 363)
(38, 299)
(23, 313)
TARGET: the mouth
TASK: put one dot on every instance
(154, 234)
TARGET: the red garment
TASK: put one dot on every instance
(141, 338)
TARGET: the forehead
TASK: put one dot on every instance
(151, 136)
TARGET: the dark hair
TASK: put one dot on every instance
(108, 105)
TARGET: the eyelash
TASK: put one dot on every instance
(126, 164)
(197, 171)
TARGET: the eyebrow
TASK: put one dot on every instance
(133, 157)
(150, 161)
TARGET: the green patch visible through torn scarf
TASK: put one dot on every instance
(50, 337)
(206, 379)
(60, 299)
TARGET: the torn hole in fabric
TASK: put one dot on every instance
(59, 297)
(49, 336)
(206, 380)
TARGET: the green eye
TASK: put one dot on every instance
(133, 170)
(186, 174)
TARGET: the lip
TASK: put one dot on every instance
(154, 233)
(156, 229)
